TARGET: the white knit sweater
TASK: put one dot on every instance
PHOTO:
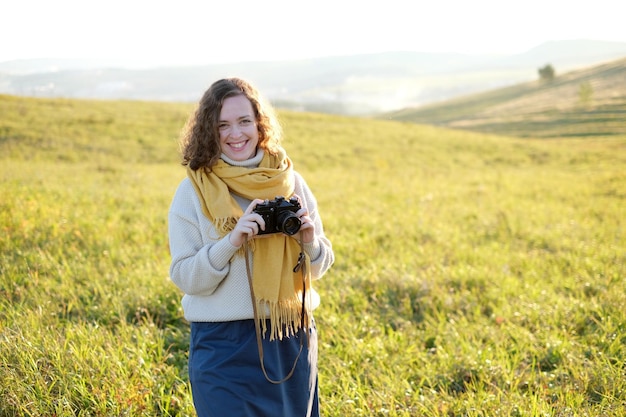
(208, 268)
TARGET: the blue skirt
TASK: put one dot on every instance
(227, 379)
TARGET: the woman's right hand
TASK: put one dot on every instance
(247, 226)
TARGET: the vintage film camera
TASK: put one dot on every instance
(279, 215)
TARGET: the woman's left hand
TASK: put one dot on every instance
(307, 227)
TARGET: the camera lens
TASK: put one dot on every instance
(288, 223)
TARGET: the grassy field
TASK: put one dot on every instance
(476, 275)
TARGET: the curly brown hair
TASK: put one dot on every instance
(200, 140)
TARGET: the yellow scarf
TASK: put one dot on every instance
(275, 284)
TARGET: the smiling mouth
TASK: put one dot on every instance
(238, 145)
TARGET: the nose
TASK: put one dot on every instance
(235, 132)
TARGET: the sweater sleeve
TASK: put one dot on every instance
(199, 262)
(320, 250)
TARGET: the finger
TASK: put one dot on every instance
(258, 220)
(249, 229)
(306, 225)
(252, 205)
(299, 199)
(306, 219)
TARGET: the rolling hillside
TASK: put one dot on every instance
(587, 102)
(351, 85)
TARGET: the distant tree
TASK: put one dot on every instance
(546, 73)
(585, 93)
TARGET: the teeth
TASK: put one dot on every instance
(238, 145)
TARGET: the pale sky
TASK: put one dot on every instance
(181, 32)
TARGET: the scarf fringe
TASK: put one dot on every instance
(284, 319)
(225, 225)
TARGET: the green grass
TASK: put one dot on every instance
(476, 275)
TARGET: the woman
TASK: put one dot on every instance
(253, 348)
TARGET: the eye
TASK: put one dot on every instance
(246, 122)
(222, 126)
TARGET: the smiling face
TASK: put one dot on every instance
(238, 131)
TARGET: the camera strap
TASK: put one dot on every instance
(300, 266)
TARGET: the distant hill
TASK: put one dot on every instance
(356, 85)
(585, 102)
